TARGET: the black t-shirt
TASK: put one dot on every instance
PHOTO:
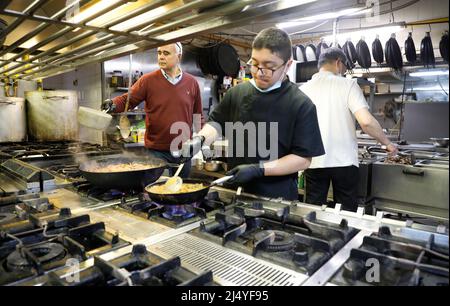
(286, 108)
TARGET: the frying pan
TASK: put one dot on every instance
(186, 197)
(125, 179)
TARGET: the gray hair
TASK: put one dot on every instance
(179, 48)
(330, 55)
(276, 40)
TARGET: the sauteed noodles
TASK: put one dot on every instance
(121, 167)
(185, 188)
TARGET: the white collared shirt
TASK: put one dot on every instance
(172, 80)
(336, 99)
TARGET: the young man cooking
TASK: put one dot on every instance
(267, 111)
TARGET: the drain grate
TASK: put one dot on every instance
(229, 267)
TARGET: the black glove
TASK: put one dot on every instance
(245, 173)
(108, 105)
(192, 146)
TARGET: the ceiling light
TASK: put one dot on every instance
(429, 73)
(92, 10)
(290, 24)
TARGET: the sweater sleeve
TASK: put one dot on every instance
(138, 94)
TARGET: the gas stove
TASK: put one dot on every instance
(271, 233)
(176, 216)
(32, 151)
(136, 268)
(401, 261)
(36, 238)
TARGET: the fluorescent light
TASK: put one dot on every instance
(431, 88)
(324, 16)
(290, 24)
(428, 73)
(90, 11)
(140, 19)
(333, 15)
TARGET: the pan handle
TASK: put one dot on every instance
(221, 180)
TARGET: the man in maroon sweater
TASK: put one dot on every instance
(172, 97)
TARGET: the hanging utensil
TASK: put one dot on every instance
(174, 183)
(363, 54)
(377, 51)
(426, 51)
(443, 46)
(410, 49)
(394, 57)
(124, 122)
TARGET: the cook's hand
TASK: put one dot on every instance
(245, 173)
(108, 105)
(392, 149)
(191, 147)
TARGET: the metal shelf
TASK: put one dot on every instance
(129, 114)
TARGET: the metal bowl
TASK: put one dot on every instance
(440, 142)
(212, 165)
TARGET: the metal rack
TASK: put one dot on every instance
(115, 28)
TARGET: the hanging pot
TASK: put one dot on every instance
(393, 54)
(320, 47)
(443, 46)
(350, 53)
(426, 51)
(410, 49)
(377, 51)
(301, 53)
(13, 125)
(310, 52)
(363, 54)
(52, 115)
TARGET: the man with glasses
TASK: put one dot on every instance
(269, 98)
(338, 101)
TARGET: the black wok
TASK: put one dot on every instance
(135, 179)
(183, 198)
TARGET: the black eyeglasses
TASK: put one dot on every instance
(265, 71)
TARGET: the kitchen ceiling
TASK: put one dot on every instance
(48, 37)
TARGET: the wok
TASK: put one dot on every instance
(134, 179)
(186, 197)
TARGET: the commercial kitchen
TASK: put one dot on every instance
(64, 225)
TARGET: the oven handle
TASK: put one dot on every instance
(413, 171)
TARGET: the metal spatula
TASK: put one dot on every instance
(124, 122)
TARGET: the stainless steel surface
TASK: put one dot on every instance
(418, 190)
(229, 267)
(321, 276)
(52, 115)
(13, 125)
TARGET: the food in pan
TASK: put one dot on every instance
(185, 188)
(121, 167)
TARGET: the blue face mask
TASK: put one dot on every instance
(276, 85)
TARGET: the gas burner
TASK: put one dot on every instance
(269, 232)
(179, 212)
(403, 262)
(138, 268)
(24, 259)
(275, 241)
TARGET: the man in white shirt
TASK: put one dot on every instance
(338, 101)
